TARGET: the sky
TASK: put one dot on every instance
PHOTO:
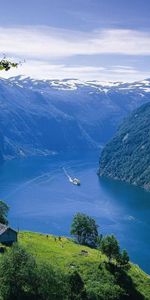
(105, 40)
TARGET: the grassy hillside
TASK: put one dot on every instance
(91, 264)
(126, 157)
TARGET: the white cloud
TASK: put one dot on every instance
(43, 70)
(43, 47)
(48, 43)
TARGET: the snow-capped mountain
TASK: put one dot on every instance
(47, 116)
(73, 84)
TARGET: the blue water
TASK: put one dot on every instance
(41, 199)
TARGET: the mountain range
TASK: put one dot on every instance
(42, 117)
(126, 157)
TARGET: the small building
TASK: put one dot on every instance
(8, 236)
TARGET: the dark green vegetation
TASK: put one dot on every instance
(85, 229)
(44, 267)
(110, 246)
(7, 64)
(48, 267)
(22, 278)
(3, 212)
(127, 156)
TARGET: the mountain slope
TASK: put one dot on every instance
(44, 117)
(90, 263)
(127, 156)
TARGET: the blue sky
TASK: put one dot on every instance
(85, 39)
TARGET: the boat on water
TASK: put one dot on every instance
(75, 180)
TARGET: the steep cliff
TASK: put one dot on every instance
(127, 156)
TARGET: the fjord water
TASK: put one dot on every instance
(42, 199)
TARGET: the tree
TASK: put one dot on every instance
(77, 290)
(17, 274)
(123, 259)
(50, 283)
(3, 212)
(85, 229)
(7, 64)
(106, 291)
(22, 278)
(110, 247)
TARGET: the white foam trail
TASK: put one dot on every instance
(69, 177)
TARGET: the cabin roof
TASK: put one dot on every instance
(3, 228)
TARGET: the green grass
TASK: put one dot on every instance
(66, 254)
(141, 280)
(61, 253)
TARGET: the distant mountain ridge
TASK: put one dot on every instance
(127, 156)
(40, 117)
(73, 84)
